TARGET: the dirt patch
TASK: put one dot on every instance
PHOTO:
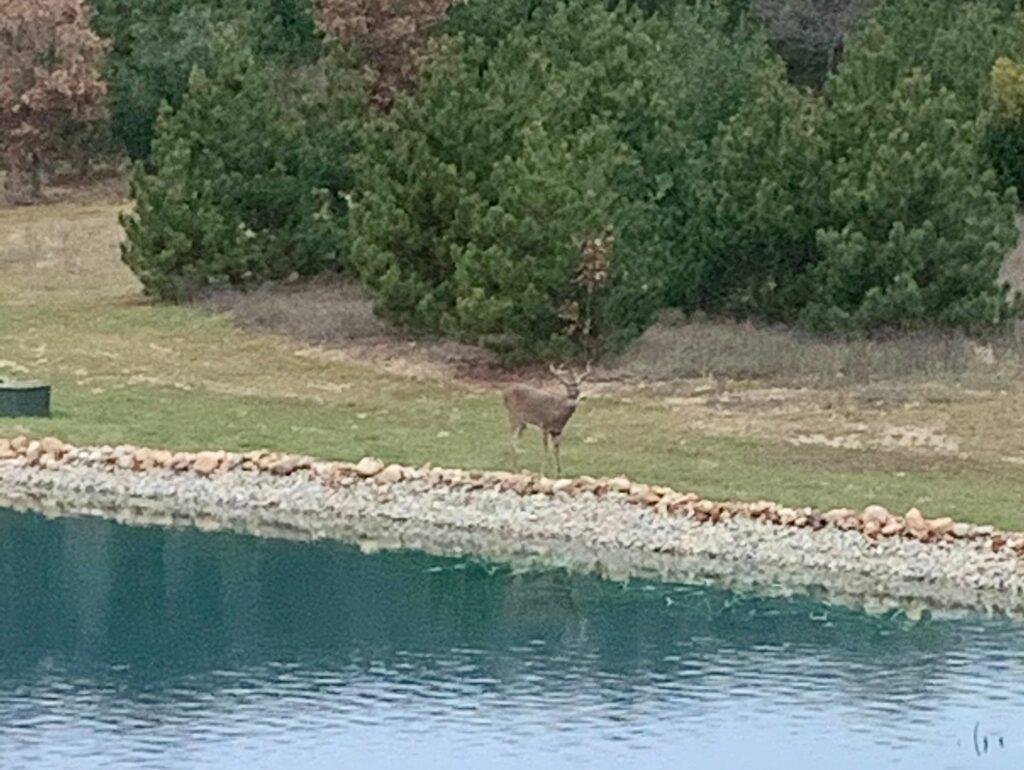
(102, 184)
(335, 318)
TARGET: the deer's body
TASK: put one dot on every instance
(547, 411)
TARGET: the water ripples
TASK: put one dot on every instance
(174, 649)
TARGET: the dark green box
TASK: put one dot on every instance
(24, 399)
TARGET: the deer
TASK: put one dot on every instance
(549, 412)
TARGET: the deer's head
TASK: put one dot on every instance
(570, 379)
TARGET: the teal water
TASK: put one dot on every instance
(127, 647)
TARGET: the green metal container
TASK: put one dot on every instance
(24, 399)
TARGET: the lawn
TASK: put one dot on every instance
(126, 371)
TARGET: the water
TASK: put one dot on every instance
(124, 647)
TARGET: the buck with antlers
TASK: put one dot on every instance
(547, 411)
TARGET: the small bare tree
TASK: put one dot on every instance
(391, 34)
(580, 315)
(816, 26)
(49, 82)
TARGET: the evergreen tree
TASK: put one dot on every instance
(236, 190)
(919, 226)
(871, 208)
(475, 193)
(157, 43)
(759, 205)
(1004, 137)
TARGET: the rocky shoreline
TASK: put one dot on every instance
(621, 529)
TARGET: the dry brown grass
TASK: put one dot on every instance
(676, 348)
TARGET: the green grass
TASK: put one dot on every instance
(243, 392)
(169, 377)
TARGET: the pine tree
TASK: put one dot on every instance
(235, 190)
(920, 226)
(475, 192)
(764, 196)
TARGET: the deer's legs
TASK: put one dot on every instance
(517, 429)
(556, 440)
(544, 439)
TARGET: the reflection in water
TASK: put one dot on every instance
(147, 647)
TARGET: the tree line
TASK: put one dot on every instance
(851, 165)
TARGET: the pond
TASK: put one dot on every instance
(132, 647)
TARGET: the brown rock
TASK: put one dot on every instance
(369, 466)
(762, 508)
(563, 485)
(53, 446)
(162, 458)
(651, 498)
(914, 520)
(33, 452)
(875, 513)
(285, 466)
(231, 461)
(207, 463)
(837, 515)
(619, 484)
(892, 528)
(941, 526)
(392, 474)
(19, 444)
(872, 528)
(182, 460)
(673, 502)
(144, 459)
(639, 490)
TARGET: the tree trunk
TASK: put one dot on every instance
(24, 181)
(36, 177)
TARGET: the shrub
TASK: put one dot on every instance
(50, 83)
(237, 189)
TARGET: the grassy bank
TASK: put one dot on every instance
(127, 371)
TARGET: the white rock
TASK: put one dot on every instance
(369, 466)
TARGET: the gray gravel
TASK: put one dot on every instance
(607, 534)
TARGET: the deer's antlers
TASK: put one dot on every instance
(566, 375)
